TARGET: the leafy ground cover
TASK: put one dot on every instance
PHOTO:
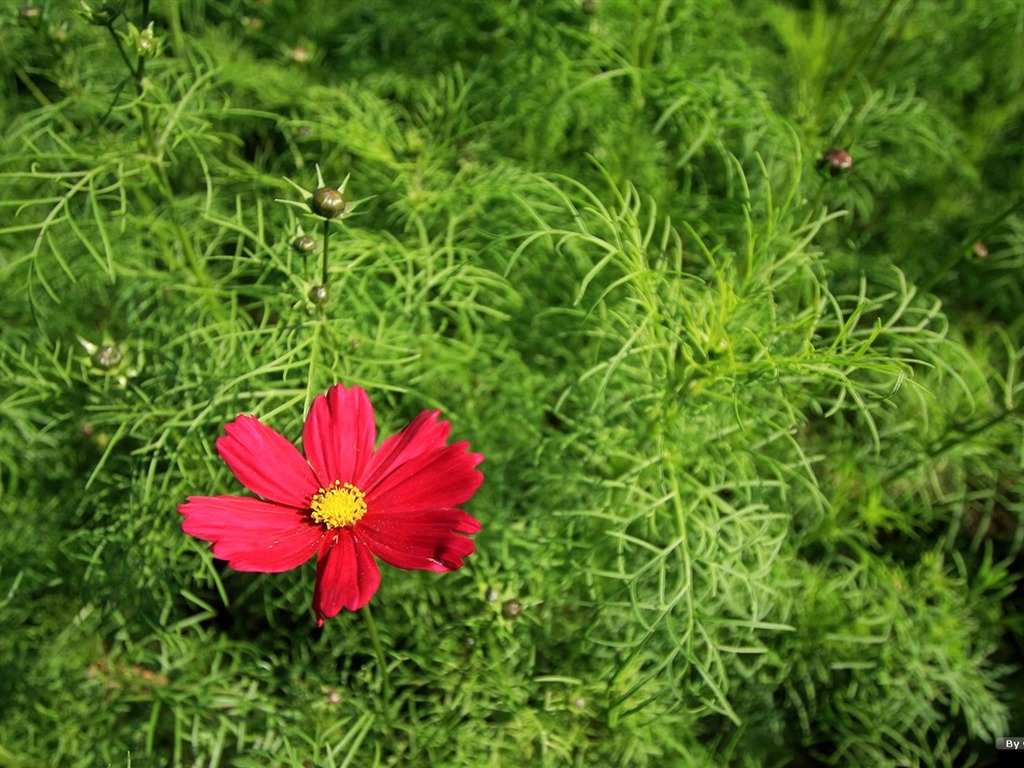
(751, 414)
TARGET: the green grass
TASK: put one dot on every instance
(754, 490)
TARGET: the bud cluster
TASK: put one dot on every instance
(329, 205)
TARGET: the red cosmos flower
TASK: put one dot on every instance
(344, 502)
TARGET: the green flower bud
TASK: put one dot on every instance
(143, 41)
(146, 44)
(59, 32)
(106, 357)
(327, 202)
(30, 13)
(103, 16)
(318, 295)
(304, 243)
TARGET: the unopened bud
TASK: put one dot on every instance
(511, 609)
(106, 357)
(327, 202)
(31, 14)
(836, 160)
(104, 15)
(146, 44)
(318, 295)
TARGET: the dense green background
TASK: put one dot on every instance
(753, 432)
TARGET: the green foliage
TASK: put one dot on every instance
(752, 431)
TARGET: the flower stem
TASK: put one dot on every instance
(133, 72)
(323, 276)
(385, 683)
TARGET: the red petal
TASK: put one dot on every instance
(427, 540)
(339, 434)
(422, 434)
(431, 480)
(266, 463)
(346, 575)
(252, 535)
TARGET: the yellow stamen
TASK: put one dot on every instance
(338, 505)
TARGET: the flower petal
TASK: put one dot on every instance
(339, 434)
(347, 576)
(427, 540)
(252, 535)
(433, 479)
(266, 463)
(422, 434)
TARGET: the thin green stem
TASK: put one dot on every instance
(960, 253)
(327, 245)
(960, 436)
(127, 62)
(867, 43)
(385, 680)
(140, 71)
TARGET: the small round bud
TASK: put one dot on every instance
(318, 294)
(979, 249)
(304, 243)
(59, 32)
(333, 697)
(30, 13)
(106, 357)
(492, 595)
(511, 609)
(327, 202)
(146, 44)
(300, 54)
(836, 160)
(103, 16)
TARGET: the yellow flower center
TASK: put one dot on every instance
(338, 505)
